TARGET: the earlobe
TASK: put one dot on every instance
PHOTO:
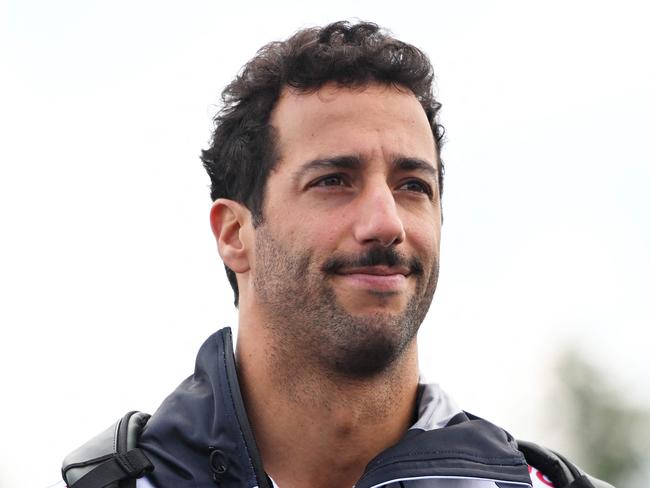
(228, 220)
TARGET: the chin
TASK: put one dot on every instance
(377, 306)
(370, 345)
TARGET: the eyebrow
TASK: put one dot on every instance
(401, 163)
(409, 164)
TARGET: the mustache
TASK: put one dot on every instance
(375, 256)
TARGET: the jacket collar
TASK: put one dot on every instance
(200, 435)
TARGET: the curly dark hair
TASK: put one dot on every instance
(243, 150)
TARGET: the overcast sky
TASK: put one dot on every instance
(109, 275)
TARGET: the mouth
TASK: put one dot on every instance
(376, 271)
(384, 279)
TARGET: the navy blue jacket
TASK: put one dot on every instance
(201, 435)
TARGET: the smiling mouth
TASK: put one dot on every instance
(379, 271)
(389, 279)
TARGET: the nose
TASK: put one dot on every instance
(378, 219)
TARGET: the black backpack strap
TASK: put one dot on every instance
(561, 472)
(119, 467)
(110, 459)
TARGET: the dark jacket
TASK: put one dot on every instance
(201, 437)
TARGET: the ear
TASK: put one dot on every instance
(230, 223)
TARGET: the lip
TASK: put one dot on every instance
(376, 270)
(376, 278)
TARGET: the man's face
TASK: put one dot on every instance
(346, 259)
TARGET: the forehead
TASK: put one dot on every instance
(368, 121)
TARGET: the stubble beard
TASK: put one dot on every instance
(312, 329)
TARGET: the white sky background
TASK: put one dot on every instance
(109, 276)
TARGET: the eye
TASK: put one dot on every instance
(330, 180)
(416, 186)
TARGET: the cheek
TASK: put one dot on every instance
(425, 241)
(323, 231)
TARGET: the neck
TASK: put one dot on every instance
(316, 429)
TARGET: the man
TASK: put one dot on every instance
(326, 181)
